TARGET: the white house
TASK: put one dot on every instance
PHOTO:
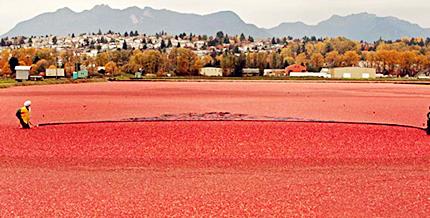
(22, 72)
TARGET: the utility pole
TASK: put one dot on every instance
(56, 69)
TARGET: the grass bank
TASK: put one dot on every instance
(261, 78)
(7, 83)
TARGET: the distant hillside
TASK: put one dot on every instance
(64, 21)
(364, 26)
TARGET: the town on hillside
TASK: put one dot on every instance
(162, 55)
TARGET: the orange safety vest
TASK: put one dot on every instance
(25, 114)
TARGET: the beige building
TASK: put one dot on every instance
(59, 72)
(211, 71)
(353, 73)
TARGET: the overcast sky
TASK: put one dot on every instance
(263, 13)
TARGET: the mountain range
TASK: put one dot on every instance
(362, 26)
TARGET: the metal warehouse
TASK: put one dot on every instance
(353, 73)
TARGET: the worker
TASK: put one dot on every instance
(23, 114)
(428, 123)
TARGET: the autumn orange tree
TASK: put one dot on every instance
(333, 59)
(317, 61)
(350, 58)
(111, 68)
(42, 65)
(227, 64)
(400, 57)
(183, 62)
(5, 70)
(150, 61)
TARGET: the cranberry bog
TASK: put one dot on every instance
(216, 149)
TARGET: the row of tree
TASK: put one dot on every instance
(395, 58)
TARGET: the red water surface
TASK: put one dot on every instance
(216, 168)
(386, 103)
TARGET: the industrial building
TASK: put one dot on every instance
(352, 73)
(211, 71)
(250, 72)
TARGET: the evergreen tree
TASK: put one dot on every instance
(125, 34)
(36, 59)
(100, 32)
(179, 45)
(136, 33)
(240, 63)
(226, 40)
(124, 45)
(242, 37)
(169, 44)
(54, 40)
(103, 40)
(250, 39)
(163, 44)
(236, 50)
(13, 62)
(427, 42)
(73, 35)
(2, 43)
(220, 35)
(212, 43)
(273, 41)
(305, 39)
(284, 40)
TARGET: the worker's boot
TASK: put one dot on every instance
(428, 127)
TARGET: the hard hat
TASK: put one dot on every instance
(27, 103)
